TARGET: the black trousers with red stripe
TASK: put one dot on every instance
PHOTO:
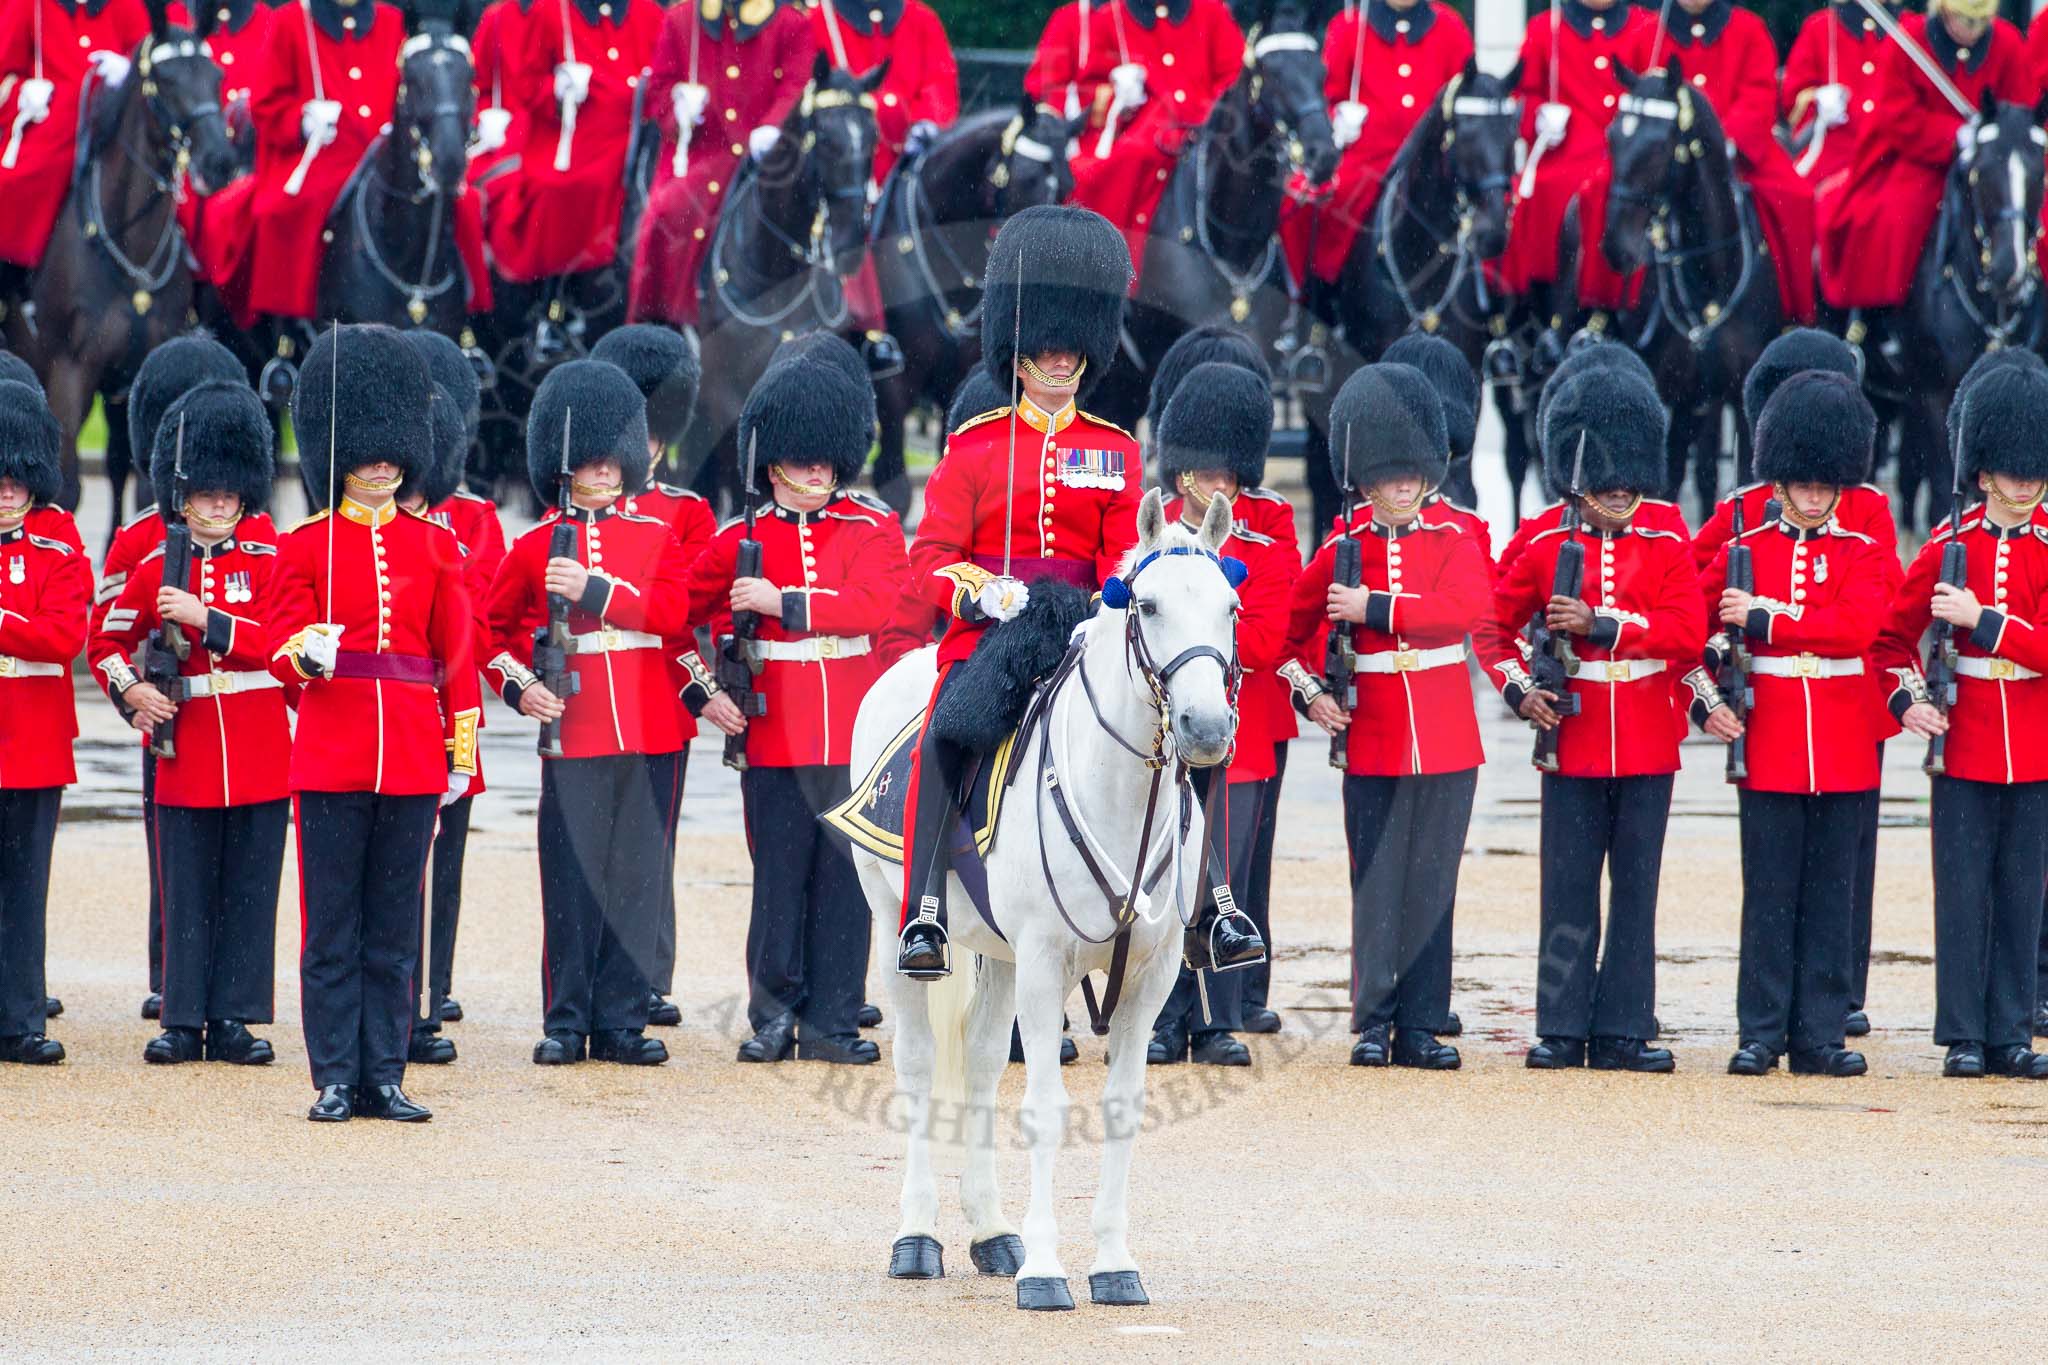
(451, 846)
(663, 976)
(1407, 839)
(1798, 911)
(362, 859)
(1584, 988)
(1990, 859)
(1225, 989)
(28, 829)
(807, 943)
(1256, 896)
(156, 892)
(220, 868)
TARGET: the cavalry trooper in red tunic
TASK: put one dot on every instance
(726, 73)
(1067, 71)
(500, 121)
(1829, 88)
(1053, 303)
(45, 588)
(606, 796)
(832, 570)
(1637, 617)
(1989, 760)
(221, 795)
(921, 93)
(1809, 736)
(378, 630)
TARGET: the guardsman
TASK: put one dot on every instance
(1818, 594)
(48, 49)
(605, 801)
(165, 375)
(500, 120)
(1637, 621)
(663, 365)
(1071, 514)
(1067, 70)
(45, 588)
(1411, 749)
(1383, 63)
(832, 570)
(239, 32)
(726, 74)
(1989, 809)
(1211, 443)
(1829, 87)
(921, 93)
(1875, 220)
(378, 630)
(221, 800)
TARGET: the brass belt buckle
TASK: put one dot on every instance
(828, 646)
(1407, 660)
(609, 638)
(221, 683)
(1807, 665)
(7, 665)
(1617, 670)
(2003, 670)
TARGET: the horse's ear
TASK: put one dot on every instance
(205, 19)
(873, 80)
(1471, 71)
(821, 67)
(1512, 81)
(1627, 77)
(2041, 113)
(159, 20)
(1674, 70)
(1075, 127)
(1151, 521)
(1988, 104)
(1216, 524)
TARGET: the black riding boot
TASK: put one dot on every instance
(921, 949)
(1216, 941)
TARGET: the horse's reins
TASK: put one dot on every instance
(1457, 250)
(2009, 313)
(922, 224)
(1667, 259)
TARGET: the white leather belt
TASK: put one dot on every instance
(1617, 670)
(1411, 660)
(1992, 670)
(225, 684)
(11, 667)
(609, 641)
(1804, 666)
(810, 650)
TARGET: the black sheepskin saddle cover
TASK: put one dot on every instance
(986, 699)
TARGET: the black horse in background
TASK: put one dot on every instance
(116, 280)
(1977, 288)
(930, 235)
(792, 230)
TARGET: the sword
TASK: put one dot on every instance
(297, 181)
(569, 106)
(1929, 68)
(838, 42)
(430, 1011)
(333, 401)
(1010, 482)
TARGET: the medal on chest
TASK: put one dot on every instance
(17, 570)
(1820, 568)
(1081, 468)
(236, 587)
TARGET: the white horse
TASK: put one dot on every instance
(1152, 694)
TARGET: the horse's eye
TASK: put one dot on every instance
(1147, 607)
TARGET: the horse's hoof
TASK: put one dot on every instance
(917, 1257)
(1044, 1294)
(1117, 1287)
(998, 1255)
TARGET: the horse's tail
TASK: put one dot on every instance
(946, 1003)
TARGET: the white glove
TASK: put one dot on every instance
(1127, 82)
(572, 82)
(690, 101)
(1966, 137)
(319, 121)
(1347, 120)
(491, 127)
(762, 140)
(1551, 121)
(1831, 105)
(112, 66)
(1001, 599)
(32, 99)
(322, 647)
(458, 787)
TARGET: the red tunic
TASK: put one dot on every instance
(547, 222)
(1821, 596)
(1874, 222)
(134, 543)
(1652, 514)
(841, 570)
(475, 525)
(492, 49)
(923, 80)
(1264, 704)
(1839, 44)
(234, 743)
(1649, 627)
(1396, 63)
(627, 626)
(237, 52)
(754, 78)
(45, 587)
(56, 523)
(397, 593)
(1264, 716)
(1067, 70)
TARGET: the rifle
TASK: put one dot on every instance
(167, 648)
(737, 667)
(552, 643)
(1734, 673)
(1941, 639)
(1340, 654)
(1552, 660)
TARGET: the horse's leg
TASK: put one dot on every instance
(1042, 987)
(1514, 448)
(1929, 429)
(1706, 458)
(916, 1254)
(120, 462)
(996, 1248)
(1678, 444)
(69, 393)
(1113, 1279)
(892, 483)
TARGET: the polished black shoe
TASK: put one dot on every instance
(852, 1050)
(1069, 1052)
(52, 1007)
(1215, 1047)
(1556, 1054)
(628, 1047)
(1828, 1061)
(1169, 1045)
(662, 1013)
(1964, 1061)
(772, 1042)
(451, 1011)
(429, 1049)
(2041, 1020)
(174, 1045)
(1420, 1049)
(1752, 1059)
(558, 1049)
(337, 1104)
(1217, 942)
(2017, 1060)
(31, 1049)
(1629, 1054)
(229, 1040)
(1372, 1047)
(921, 951)
(1261, 1021)
(1454, 1027)
(868, 1016)
(390, 1102)
(1856, 1024)
(152, 1006)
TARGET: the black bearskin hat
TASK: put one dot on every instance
(1817, 428)
(604, 416)
(179, 364)
(831, 349)
(15, 370)
(451, 447)
(364, 391)
(1077, 270)
(228, 445)
(1222, 418)
(1202, 346)
(448, 367)
(1601, 355)
(2003, 421)
(664, 365)
(1622, 424)
(1802, 348)
(1392, 423)
(1448, 372)
(28, 441)
(807, 409)
(978, 393)
(2005, 357)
